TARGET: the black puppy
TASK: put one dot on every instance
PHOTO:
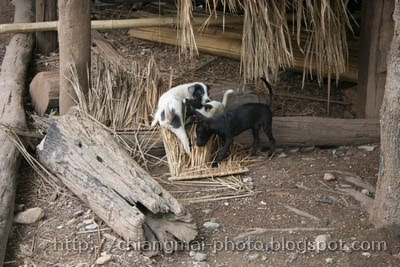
(233, 122)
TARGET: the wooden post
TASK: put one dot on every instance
(74, 42)
(376, 35)
(12, 114)
(46, 10)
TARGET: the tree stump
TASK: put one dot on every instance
(44, 91)
(87, 160)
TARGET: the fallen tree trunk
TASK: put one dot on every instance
(113, 24)
(86, 158)
(12, 87)
(228, 47)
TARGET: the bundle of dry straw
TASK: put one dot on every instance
(122, 98)
(198, 165)
(266, 42)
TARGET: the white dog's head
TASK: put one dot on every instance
(199, 92)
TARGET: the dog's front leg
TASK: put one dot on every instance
(223, 152)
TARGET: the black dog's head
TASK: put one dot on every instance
(199, 92)
(203, 129)
(193, 105)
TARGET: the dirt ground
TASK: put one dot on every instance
(293, 178)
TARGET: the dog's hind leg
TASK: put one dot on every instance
(268, 132)
(223, 152)
(182, 136)
(256, 140)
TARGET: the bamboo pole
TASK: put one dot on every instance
(114, 24)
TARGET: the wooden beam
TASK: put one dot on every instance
(12, 88)
(113, 24)
(376, 35)
(46, 10)
(74, 41)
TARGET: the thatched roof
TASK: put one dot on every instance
(266, 42)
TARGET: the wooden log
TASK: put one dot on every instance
(75, 46)
(12, 87)
(44, 91)
(46, 10)
(227, 47)
(112, 24)
(86, 158)
(376, 35)
(288, 131)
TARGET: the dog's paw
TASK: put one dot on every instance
(215, 164)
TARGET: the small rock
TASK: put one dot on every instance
(142, 53)
(282, 155)
(366, 192)
(264, 258)
(247, 180)
(91, 226)
(211, 225)
(103, 260)
(89, 221)
(71, 222)
(200, 256)
(264, 177)
(368, 148)
(226, 203)
(29, 216)
(263, 203)
(253, 257)
(329, 260)
(321, 242)
(207, 211)
(192, 253)
(294, 150)
(78, 213)
(329, 176)
(60, 227)
(325, 200)
(366, 254)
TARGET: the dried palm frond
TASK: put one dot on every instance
(266, 42)
(198, 165)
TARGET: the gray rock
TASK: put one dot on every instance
(29, 216)
(366, 254)
(91, 226)
(329, 176)
(368, 148)
(211, 225)
(329, 260)
(78, 213)
(104, 260)
(282, 155)
(200, 256)
(366, 192)
(253, 257)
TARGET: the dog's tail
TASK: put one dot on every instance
(269, 101)
(226, 96)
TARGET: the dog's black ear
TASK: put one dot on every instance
(208, 107)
